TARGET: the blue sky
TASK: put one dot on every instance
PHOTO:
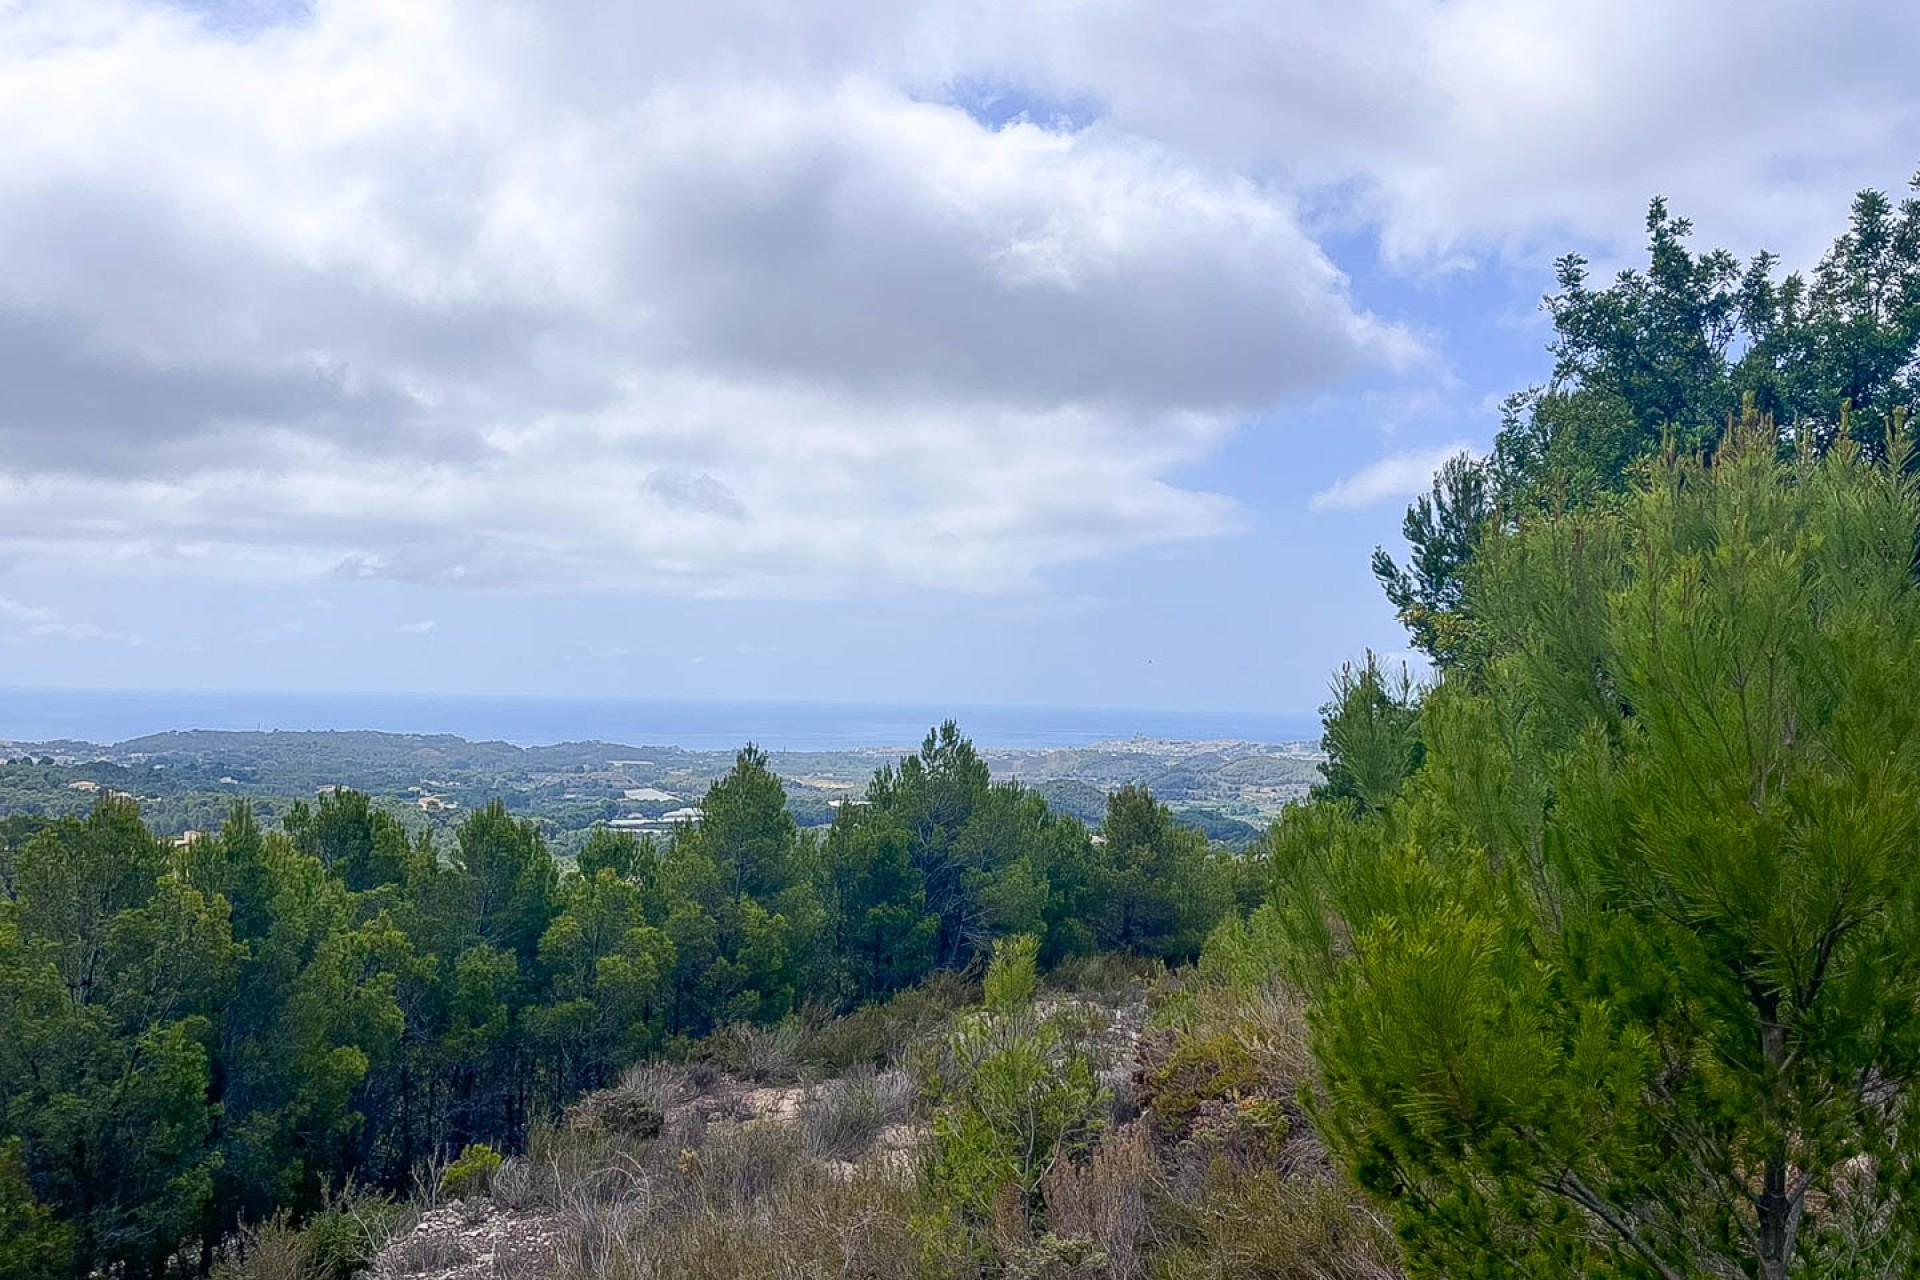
(908, 351)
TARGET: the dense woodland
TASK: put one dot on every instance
(206, 1033)
(1608, 937)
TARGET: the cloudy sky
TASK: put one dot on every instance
(1050, 352)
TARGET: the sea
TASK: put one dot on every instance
(106, 717)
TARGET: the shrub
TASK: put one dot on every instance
(430, 1254)
(471, 1175)
(637, 1106)
(348, 1231)
(569, 1164)
(338, 1242)
(766, 1054)
(842, 1118)
(1104, 975)
(1105, 1199)
(1011, 975)
(739, 1165)
(881, 1033)
(1262, 1223)
(1056, 1257)
(270, 1250)
(1012, 1096)
(1197, 1071)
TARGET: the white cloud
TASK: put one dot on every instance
(712, 299)
(416, 628)
(414, 292)
(41, 622)
(19, 612)
(1398, 475)
(76, 631)
(1451, 124)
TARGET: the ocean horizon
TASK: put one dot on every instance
(105, 717)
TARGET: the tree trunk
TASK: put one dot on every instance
(1776, 1220)
(1774, 1207)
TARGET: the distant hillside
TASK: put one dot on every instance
(1071, 796)
(186, 780)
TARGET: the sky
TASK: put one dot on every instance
(1052, 352)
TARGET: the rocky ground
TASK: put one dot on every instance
(517, 1231)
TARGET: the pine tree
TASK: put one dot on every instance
(1626, 980)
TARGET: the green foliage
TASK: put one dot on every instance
(508, 878)
(203, 1037)
(1443, 528)
(1011, 976)
(992, 860)
(749, 926)
(1199, 1070)
(620, 852)
(33, 1243)
(880, 1033)
(1012, 1094)
(471, 1173)
(345, 1235)
(886, 932)
(1625, 978)
(1372, 735)
(359, 844)
(609, 970)
(1675, 353)
(1157, 888)
(109, 976)
(338, 1242)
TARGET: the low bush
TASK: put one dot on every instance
(637, 1106)
(843, 1116)
(1198, 1070)
(764, 1054)
(339, 1241)
(880, 1034)
(1264, 1224)
(345, 1235)
(471, 1175)
(738, 1165)
(1011, 1096)
(270, 1250)
(1107, 976)
(1105, 1199)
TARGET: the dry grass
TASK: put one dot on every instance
(765, 1055)
(426, 1255)
(271, 1250)
(810, 1224)
(880, 1034)
(666, 1176)
(1263, 1223)
(841, 1119)
(1105, 1201)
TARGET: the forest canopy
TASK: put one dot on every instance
(205, 1033)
